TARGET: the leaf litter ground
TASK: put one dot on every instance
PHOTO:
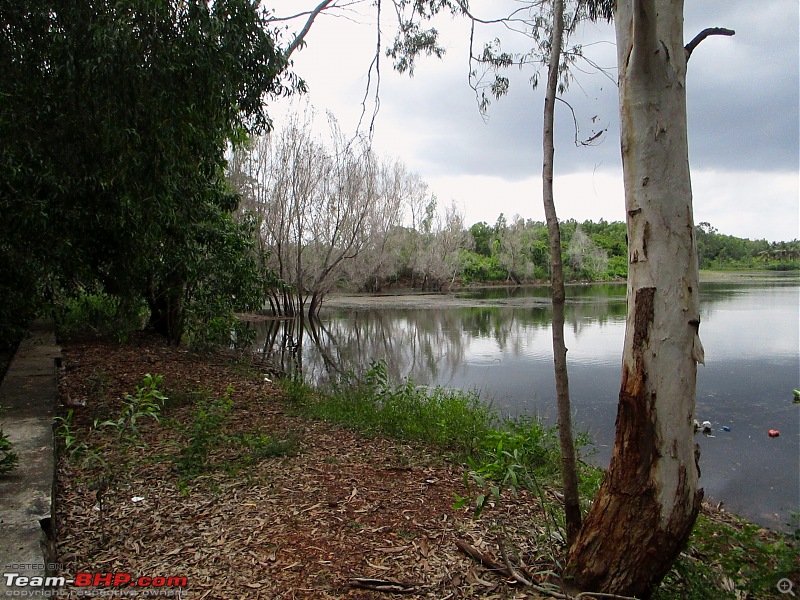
(341, 510)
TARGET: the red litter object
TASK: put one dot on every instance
(773, 433)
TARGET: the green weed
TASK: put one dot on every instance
(452, 420)
(147, 402)
(731, 560)
(205, 432)
(65, 432)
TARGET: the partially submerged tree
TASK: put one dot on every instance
(318, 207)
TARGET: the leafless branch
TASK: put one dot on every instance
(376, 65)
(300, 37)
(703, 35)
(502, 20)
(514, 573)
(276, 19)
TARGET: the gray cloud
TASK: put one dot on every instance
(742, 102)
(742, 98)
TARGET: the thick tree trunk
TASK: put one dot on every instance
(165, 301)
(569, 473)
(649, 500)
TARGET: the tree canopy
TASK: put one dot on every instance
(115, 119)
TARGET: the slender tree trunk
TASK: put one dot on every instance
(647, 505)
(569, 473)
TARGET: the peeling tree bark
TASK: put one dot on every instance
(649, 500)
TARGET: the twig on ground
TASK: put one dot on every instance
(390, 586)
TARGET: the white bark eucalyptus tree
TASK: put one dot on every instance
(647, 505)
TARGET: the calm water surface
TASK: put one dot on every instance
(498, 342)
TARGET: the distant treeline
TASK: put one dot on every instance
(720, 251)
(517, 251)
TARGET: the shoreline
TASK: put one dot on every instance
(405, 297)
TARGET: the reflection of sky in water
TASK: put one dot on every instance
(750, 334)
(762, 324)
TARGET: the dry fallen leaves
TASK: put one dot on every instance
(336, 520)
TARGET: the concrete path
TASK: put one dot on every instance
(28, 396)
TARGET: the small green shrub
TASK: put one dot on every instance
(147, 402)
(64, 432)
(205, 432)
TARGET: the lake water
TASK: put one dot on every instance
(498, 341)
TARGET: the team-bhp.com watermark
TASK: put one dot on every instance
(85, 584)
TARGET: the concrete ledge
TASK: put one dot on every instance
(28, 396)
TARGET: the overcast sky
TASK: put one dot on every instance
(743, 98)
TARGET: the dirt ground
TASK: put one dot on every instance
(339, 513)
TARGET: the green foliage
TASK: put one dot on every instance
(8, 458)
(520, 251)
(65, 432)
(480, 268)
(261, 446)
(719, 251)
(205, 432)
(747, 562)
(117, 117)
(147, 402)
(98, 314)
(521, 454)
(208, 432)
(411, 39)
(597, 251)
(449, 419)
(229, 279)
(482, 238)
